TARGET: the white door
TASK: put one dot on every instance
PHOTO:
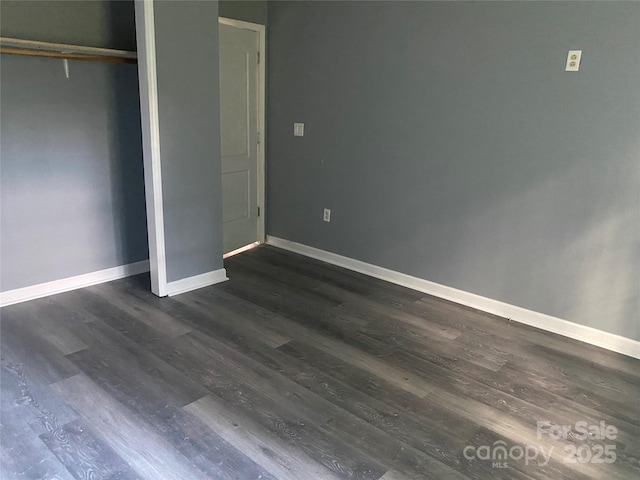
(239, 130)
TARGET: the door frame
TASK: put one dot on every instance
(261, 104)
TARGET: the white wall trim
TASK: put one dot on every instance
(146, 38)
(197, 281)
(592, 336)
(71, 283)
(262, 105)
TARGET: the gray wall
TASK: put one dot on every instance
(451, 145)
(87, 22)
(189, 116)
(72, 191)
(246, 10)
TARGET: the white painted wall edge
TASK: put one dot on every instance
(593, 336)
(197, 281)
(146, 38)
(71, 283)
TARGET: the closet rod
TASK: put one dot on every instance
(16, 46)
(69, 56)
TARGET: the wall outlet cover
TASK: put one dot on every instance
(573, 60)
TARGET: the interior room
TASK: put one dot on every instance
(303, 240)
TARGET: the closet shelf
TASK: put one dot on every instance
(17, 46)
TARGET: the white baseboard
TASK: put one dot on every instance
(599, 338)
(197, 281)
(72, 283)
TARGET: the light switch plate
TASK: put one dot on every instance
(573, 60)
(298, 129)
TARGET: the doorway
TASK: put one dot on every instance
(242, 118)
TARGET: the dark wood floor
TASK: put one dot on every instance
(295, 369)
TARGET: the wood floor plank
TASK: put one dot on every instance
(150, 455)
(310, 410)
(32, 407)
(22, 344)
(376, 318)
(317, 407)
(152, 391)
(299, 303)
(620, 387)
(479, 392)
(296, 369)
(28, 411)
(341, 350)
(549, 391)
(391, 475)
(23, 456)
(121, 367)
(207, 450)
(521, 433)
(97, 308)
(338, 276)
(241, 372)
(512, 467)
(376, 349)
(434, 437)
(230, 320)
(153, 318)
(250, 393)
(86, 456)
(485, 325)
(281, 459)
(55, 327)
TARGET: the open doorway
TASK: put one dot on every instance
(242, 118)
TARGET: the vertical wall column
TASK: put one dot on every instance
(179, 98)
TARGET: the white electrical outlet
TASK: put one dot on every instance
(573, 60)
(298, 129)
(327, 215)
